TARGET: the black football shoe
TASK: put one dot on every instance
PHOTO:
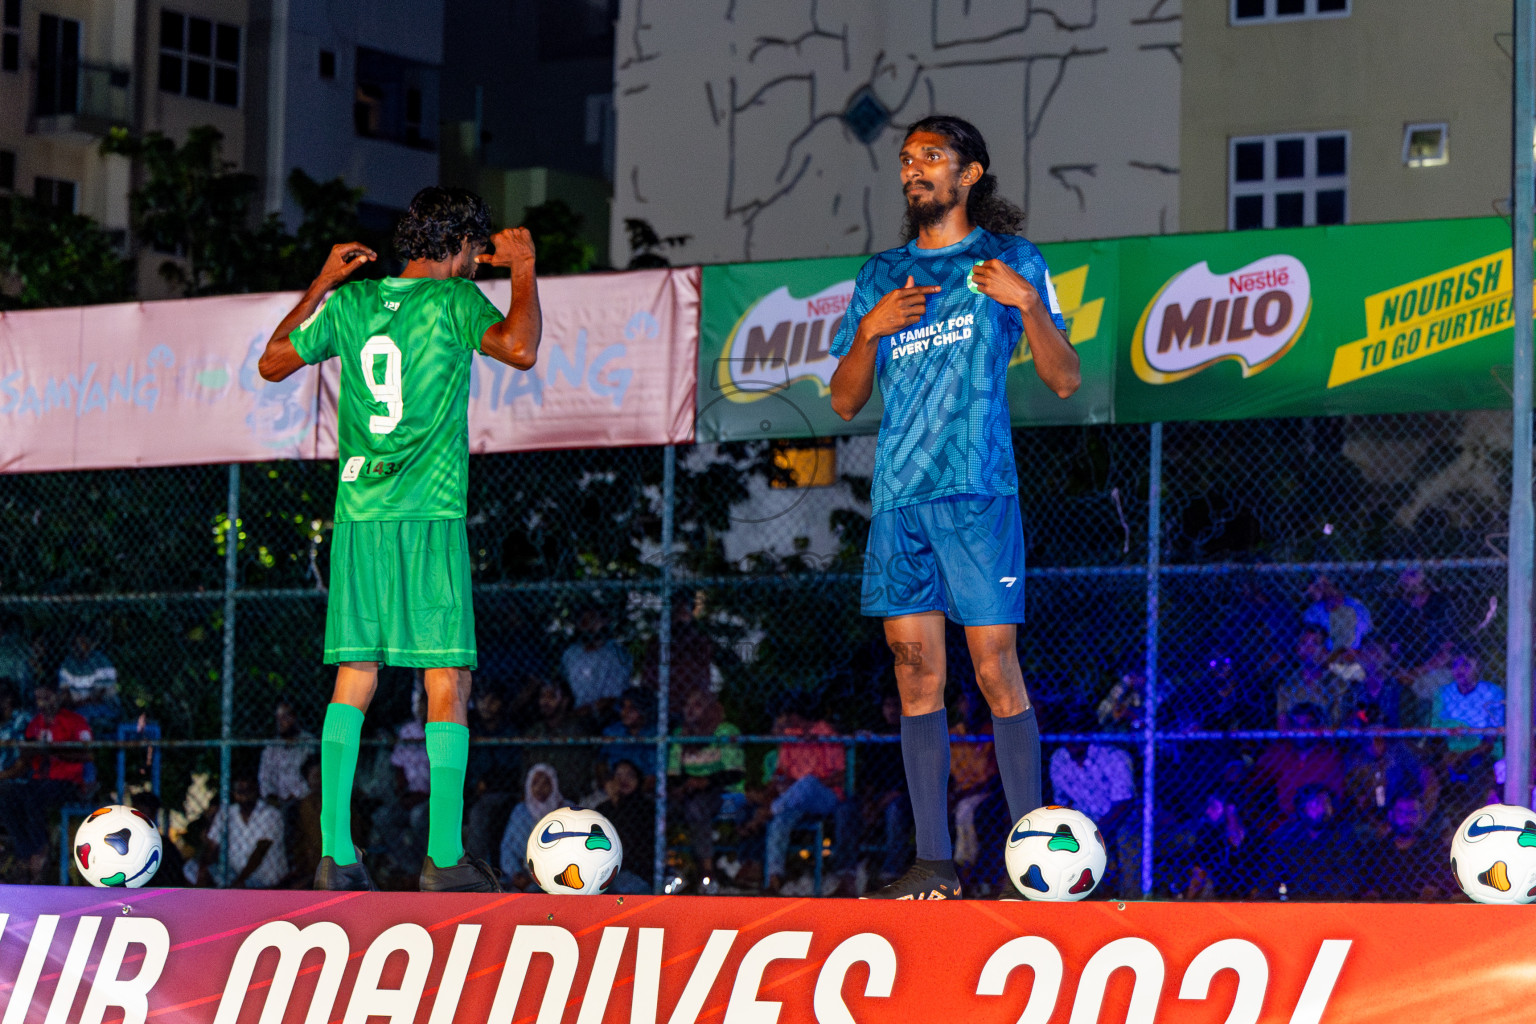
(924, 880)
(352, 877)
(470, 874)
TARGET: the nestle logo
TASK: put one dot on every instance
(1277, 277)
(829, 306)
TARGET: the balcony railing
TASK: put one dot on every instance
(75, 96)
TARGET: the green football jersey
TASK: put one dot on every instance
(405, 346)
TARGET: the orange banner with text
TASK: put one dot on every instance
(104, 956)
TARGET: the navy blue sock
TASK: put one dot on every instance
(925, 753)
(1017, 742)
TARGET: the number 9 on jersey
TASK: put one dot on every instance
(388, 391)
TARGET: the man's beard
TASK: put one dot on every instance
(926, 211)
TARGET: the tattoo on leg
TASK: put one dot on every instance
(908, 653)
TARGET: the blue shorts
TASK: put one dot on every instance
(963, 556)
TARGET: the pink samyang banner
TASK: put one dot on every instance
(96, 956)
(149, 384)
(175, 383)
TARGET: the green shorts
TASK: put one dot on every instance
(400, 594)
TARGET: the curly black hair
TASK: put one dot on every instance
(984, 207)
(439, 221)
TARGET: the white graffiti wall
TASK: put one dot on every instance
(764, 129)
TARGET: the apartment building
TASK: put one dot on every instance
(1304, 112)
(337, 90)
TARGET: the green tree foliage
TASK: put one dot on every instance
(194, 203)
(51, 257)
(646, 247)
(197, 205)
(556, 228)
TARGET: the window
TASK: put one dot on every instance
(55, 192)
(328, 64)
(1426, 145)
(10, 43)
(395, 98)
(1288, 181)
(58, 66)
(7, 170)
(1252, 12)
(199, 58)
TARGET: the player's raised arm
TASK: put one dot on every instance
(515, 341)
(854, 379)
(1055, 359)
(280, 358)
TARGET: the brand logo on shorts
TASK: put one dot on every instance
(353, 467)
(1008, 581)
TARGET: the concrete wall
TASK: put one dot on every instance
(729, 127)
(1388, 64)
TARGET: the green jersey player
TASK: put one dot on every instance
(400, 587)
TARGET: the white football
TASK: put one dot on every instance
(574, 851)
(1493, 854)
(117, 846)
(1055, 854)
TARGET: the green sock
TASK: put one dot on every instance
(340, 739)
(448, 754)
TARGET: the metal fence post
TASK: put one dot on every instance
(1154, 588)
(664, 664)
(1517, 708)
(227, 671)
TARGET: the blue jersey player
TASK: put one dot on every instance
(935, 322)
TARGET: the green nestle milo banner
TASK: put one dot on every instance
(1315, 321)
(1304, 322)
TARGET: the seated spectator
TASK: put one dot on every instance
(1122, 708)
(973, 781)
(1216, 856)
(491, 775)
(1416, 624)
(883, 794)
(1315, 858)
(636, 727)
(1376, 697)
(304, 837)
(39, 782)
(88, 684)
(595, 668)
(702, 777)
(541, 794)
(1099, 780)
(13, 723)
(1219, 697)
(692, 657)
(399, 826)
(573, 763)
(256, 850)
(1343, 619)
(803, 780)
(15, 658)
(633, 813)
(280, 773)
(1381, 770)
(1410, 864)
(1312, 682)
(1469, 702)
(1288, 765)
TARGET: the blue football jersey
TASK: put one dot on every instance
(943, 379)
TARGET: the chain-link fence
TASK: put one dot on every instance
(1253, 705)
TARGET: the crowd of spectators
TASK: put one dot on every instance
(1258, 794)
